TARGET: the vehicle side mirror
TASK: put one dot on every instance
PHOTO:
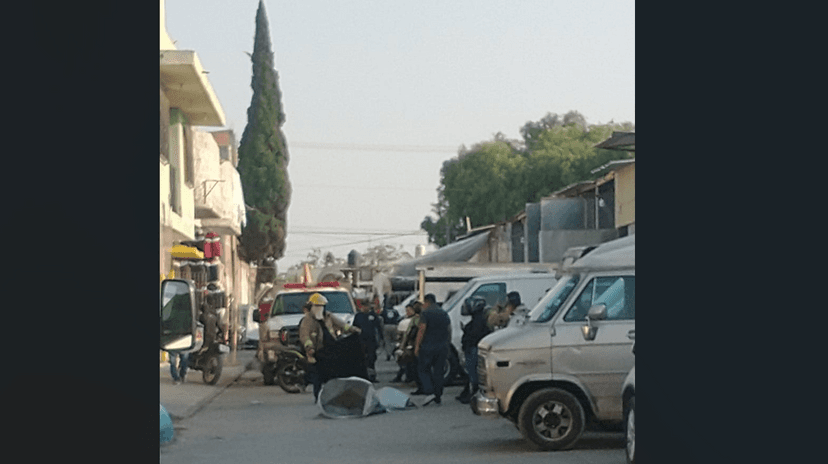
(595, 313)
(256, 317)
(179, 314)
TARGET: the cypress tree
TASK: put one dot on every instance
(263, 160)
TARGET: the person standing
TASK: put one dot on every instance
(431, 349)
(370, 333)
(390, 319)
(499, 316)
(407, 344)
(315, 333)
(473, 332)
(178, 365)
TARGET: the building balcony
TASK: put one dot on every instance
(221, 199)
(186, 86)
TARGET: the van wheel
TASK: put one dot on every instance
(452, 368)
(551, 418)
(629, 429)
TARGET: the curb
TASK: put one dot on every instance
(201, 404)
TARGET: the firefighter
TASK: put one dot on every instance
(317, 331)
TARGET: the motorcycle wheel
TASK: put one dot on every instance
(291, 377)
(212, 370)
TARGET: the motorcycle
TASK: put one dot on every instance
(185, 328)
(208, 358)
(290, 367)
(209, 361)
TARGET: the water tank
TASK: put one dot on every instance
(354, 258)
(419, 251)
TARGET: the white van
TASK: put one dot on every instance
(531, 287)
(565, 366)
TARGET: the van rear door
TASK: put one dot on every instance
(601, 363)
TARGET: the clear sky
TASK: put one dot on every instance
(379, 93)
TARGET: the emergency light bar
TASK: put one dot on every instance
(333, 284)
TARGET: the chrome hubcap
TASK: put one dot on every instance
(552, 420)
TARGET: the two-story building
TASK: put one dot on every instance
(200, 188)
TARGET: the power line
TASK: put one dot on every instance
(324, 186)
(361, 147)
(355, 243)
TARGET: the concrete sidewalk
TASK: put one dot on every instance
(184, 400)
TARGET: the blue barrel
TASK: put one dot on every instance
(166, 426)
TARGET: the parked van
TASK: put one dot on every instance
(443, 280)
(531, 287)
(565, 366)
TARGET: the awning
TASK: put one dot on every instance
(185, 252)
(456, 252)
(612, 166)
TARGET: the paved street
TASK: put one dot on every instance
(246, 421)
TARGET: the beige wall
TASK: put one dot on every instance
(166, 42)
(206, 171)
(174, 227)
(183, 223)
(625, 196)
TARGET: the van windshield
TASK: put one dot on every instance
(452, 302)
(551, 303)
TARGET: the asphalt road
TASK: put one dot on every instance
(251, 422)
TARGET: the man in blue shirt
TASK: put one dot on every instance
(432, 348)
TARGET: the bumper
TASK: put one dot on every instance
(484, 406)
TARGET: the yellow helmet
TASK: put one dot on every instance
(318, 299)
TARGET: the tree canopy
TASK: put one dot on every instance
(263, 158)
(494, 180)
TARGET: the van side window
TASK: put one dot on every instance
(618, 293)
(492, 293)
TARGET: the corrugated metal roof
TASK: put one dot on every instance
(612, 166)
(619, 141)
(573, 189)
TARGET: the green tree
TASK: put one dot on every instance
(494, 180)
(263, 159)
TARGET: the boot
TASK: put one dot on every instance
(465, 395)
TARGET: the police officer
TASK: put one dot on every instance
(473, 332)
(317, 331)
(390, 319)
(370, 327)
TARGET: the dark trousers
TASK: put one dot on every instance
(312, 376)
(370, 356)
(471, 366)
(411, 374)
(431, 364)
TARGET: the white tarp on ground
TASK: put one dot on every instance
(351, 397)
